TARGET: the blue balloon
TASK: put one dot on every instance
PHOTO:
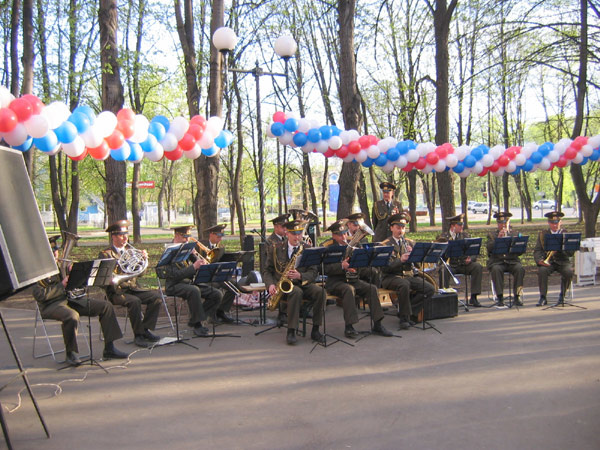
(484, 148)
(545, 148)
(595, 155)
(228, 137)
(335, 131)
(477, 153)
(291, 124)
(536, 157)
(528, 166)
(367, 163)
(300, 139)
(136, 151)
(80, 120)
(460, 167)
(149, 144)
(25, 146)
(221, 140)
(46, 143)
(157, 129)
(411, 144)
(381, 160)
(393, 154)
(402, 147)
(277, 128)
(325, 132)
(314, 135)
(122, 153)
(66, 132)
(469, 161)
(584, 161)
(212, 151)
(163, 121)
(89, 112)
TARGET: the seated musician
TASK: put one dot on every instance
(399, 275)
(355, 223)
(278, 234)
(178, 280)
(344, 282)
(128, 293)
(549, 262)
(55, 303)
(467, 265)
(216, 250)
(303, 281)
(506, 262)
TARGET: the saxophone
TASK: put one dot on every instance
(285, 285)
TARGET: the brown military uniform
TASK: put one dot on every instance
(458, 265)
(559, 262)
(507, 262)
(381, 213)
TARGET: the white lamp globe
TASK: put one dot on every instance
(285, 46)
(224, 39)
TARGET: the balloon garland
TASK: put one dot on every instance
(389, 153)
(126, 136)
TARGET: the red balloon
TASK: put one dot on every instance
(494, 167)
(100, 152)
(36, 104)
(442, 151)
(115, 140)
(364, 141)
(511, 152)
(562, 161)
(80, 157)
(342, 152)
(22, 109)
(187, 142)
(353, 147)
(421, 163)
(196, 130)
(8, 120)
(579, 142)
(570, 153)
(175, 154)
(279, 116)
(329, 153)
(408, 167)
(373, 140)
(484, 171)
(127, 127)
(432, 158)
(125, 114)
(198, 120)
(503, 160)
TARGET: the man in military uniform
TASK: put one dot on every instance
(467, 265)
(128, 293)
(303, 279)
(54, 303)
(353, 222)
(507, 262)
(217, 249)
(278, 234)
(558, 262)
(398, 274)
(179, 277)
(383, 209)
(344, 282)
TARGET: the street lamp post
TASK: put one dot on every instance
(225, 39)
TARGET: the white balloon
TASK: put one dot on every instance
(401, 162)
(207, 140)
(373, 151)
(335, 142)
(322, 146)
(286, 138)
(269, 132)
(452, 160)
(384, 145)
(423, 148)
(56, 113)
(75, 148)
(361, 156)
(528, 149)
(314, 123)
(520, 159)
(194, 153)
(578, 158)
(54, 151)
(594, 141)
(586, 150)
(5, 97)
(215, 123)
(487, 160)
(544, 164)
(496, 151)
(348, 158)
(92, 137)
(562, 145)
(465, 173)
(428, 168)
(389, 166)
(354, 135)
(345, 137)
(440, 166)
(37, 126)
(308, 147)
(304, 126)
(553, 156)
(292, 115)
(141, 125)
(511, 167)
(156, 154)
(17, 136)
(169, 142)
(412, 155)
(105, 123)
(462, 152)
(179, 126)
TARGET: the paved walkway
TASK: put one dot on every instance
(494, 379)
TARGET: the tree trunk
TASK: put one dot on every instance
(350, 102)
(112, 100)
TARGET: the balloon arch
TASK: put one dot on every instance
(389, 153)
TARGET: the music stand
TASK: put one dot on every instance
(457, 249)
(243, 257)
(563, 242)
(514, 245)
(370, 256)
(83, 274)
(427, 252)
(175, 254)
(215, 273)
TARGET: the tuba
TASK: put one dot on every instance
(132, 263)
(285, 285)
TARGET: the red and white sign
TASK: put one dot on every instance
(143, 184)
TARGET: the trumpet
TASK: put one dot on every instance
(211, 254)
(364, 230)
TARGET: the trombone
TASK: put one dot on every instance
(211, 254)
